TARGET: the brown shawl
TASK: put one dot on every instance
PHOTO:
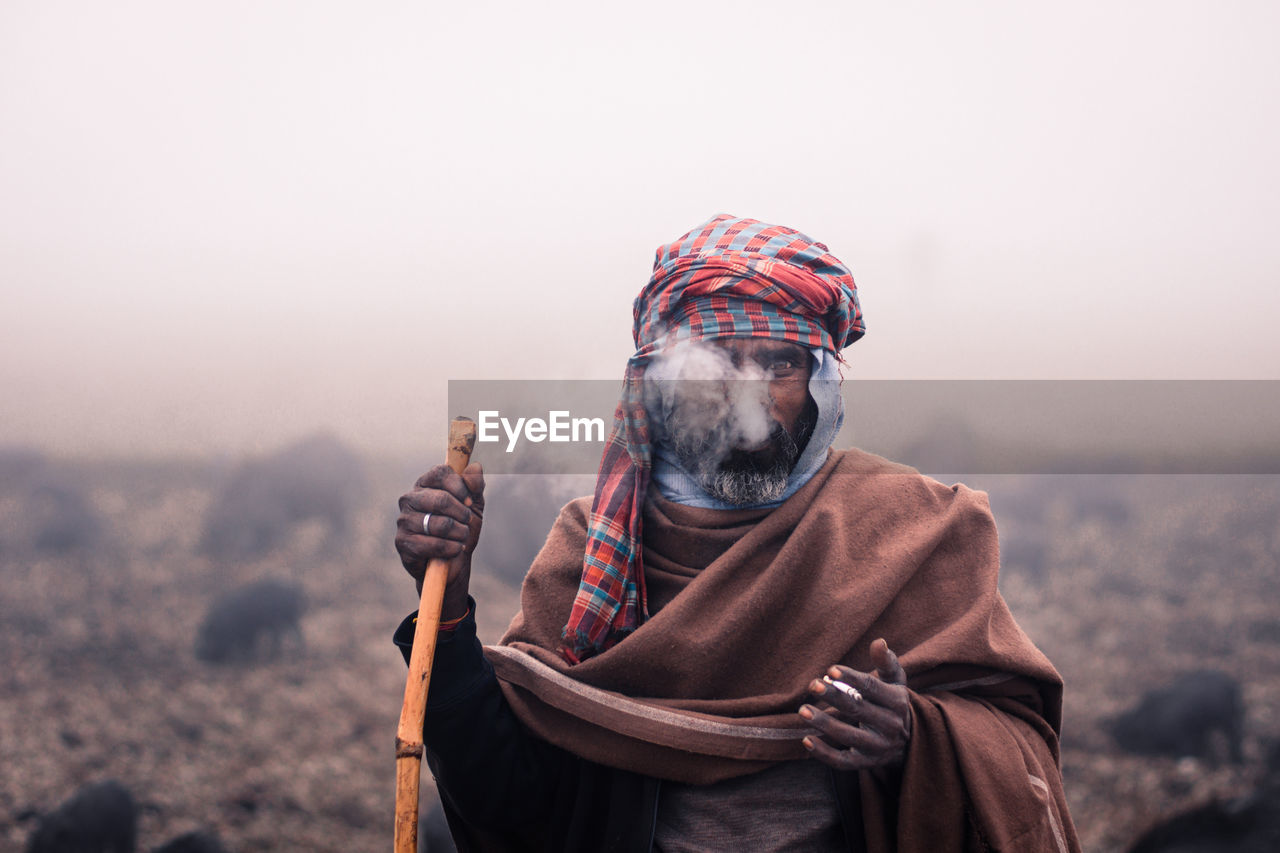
(749, 606)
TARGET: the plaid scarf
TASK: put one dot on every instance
(727, 278)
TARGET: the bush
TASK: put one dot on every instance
(47, 509)
(260, 506)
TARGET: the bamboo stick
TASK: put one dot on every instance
(462, 438)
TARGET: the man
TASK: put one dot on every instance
(745, 640)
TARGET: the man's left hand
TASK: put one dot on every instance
(865, 730)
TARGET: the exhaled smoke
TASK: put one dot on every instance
(715, 416)
(724, 405)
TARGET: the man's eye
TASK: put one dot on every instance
(783, 367)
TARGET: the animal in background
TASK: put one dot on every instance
(252, 622)
(1191, 716)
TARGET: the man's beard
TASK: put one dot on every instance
(739, 477)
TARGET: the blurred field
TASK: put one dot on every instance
(1122, 581)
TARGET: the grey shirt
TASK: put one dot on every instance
(789, 807)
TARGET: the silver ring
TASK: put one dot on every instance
(426, 518)
(847, 689)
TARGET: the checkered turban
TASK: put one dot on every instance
(727, 278)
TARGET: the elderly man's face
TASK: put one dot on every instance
(786, 367)
(768, 391)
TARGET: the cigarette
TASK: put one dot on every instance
(847, 689)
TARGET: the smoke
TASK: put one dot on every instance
(726, 404)
(715, 416)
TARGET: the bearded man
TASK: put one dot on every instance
(746, 639)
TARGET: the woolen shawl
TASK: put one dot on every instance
(709, 686)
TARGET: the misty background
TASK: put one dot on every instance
(248, 252)
(223, 226)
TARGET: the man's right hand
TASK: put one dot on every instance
(456, 505)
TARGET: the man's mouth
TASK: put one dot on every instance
(767, 444)
(770, 444)
(761, 458)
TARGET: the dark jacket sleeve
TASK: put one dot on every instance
(496, 779)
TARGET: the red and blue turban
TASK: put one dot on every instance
(727, 278)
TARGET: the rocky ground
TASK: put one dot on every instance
(1124, 582)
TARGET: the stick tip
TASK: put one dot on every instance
(462, 435)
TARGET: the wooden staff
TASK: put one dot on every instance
(462, 438)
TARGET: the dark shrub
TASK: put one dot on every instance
(1248, 824)
(52, 510)
(257, 509)
(98, 818)
(192, 842)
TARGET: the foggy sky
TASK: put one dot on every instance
(225, 225)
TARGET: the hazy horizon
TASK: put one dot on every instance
(226, 226)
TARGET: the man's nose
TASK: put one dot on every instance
(741, 361)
